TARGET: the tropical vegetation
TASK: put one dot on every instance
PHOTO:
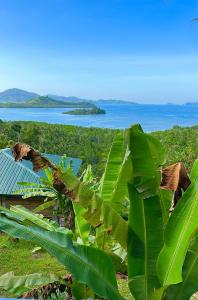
(92, 144)
(126, 216)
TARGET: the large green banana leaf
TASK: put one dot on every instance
(18, 285)
(114, 161)
(181, 227)
(27, 217)
(185, 289)
(88, 265)
(97, 211)
(34, 192)
(145, 236)
(38, 219)
(82, 227)
(114, 183)
(113, 188)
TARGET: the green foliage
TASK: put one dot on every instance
(180, 144)
(161, 249)
(183, 290)
(92, 144)
(85, 263)
(20, 284)
(114, 183)
(113, 187)
(97, 210)
(36, 219)
(61, 205)
(181, 227)
(145, 237)
(89, 144)
(82, 227)
(17, 256)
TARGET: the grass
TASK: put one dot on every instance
(17, 256)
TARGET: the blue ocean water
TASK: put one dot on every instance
(151, 117)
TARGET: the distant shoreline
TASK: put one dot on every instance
(85, 105)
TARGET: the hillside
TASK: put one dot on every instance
(16, 95)
(46, 102)
(68, 99)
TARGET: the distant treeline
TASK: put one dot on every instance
(92, 144)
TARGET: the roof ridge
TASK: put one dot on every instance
(21, 165)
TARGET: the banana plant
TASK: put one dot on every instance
(162, 247)
(57, 200)
(88, 265)
(60, 203)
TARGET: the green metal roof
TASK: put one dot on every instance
(12, 172)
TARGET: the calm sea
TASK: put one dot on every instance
(151, 117)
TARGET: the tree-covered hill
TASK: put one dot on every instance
(46, 102)
(16, 95)
(92, 144)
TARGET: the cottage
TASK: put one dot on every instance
(11, 173)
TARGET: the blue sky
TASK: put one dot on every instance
(138, 50)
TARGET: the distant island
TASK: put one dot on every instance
(46, 102)
(19, 96)
(92, 111)
(114, 101)
(191, 103)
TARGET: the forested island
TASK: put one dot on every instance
(92, 144)
(92, 111)
(46, 102)
(15, 95)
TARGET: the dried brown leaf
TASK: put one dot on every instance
(20, 151)
(23, 151)
(176, 179)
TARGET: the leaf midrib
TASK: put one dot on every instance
(145, 251)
